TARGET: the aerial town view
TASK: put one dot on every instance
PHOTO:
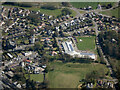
(59, 45)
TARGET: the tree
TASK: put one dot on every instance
(55, 34)
(95, 75)
(38, 46)
(66, 11)
(61, 33)
(66, 4)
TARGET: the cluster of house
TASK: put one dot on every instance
(76, 23)
(32, 68)
(7, 82)
(76, 26)
(104, 22)
(100, 83)
(105, 84)
(48, 45)
(27, 60)
(90, 7)
(15, 23)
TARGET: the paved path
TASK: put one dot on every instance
(77, 11)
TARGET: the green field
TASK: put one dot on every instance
(87, 43)
(113, 12)
(68, 75)
(85, 4)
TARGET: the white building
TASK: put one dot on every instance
(9, 55)
(28, 53)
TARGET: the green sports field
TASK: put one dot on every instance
(68, 75)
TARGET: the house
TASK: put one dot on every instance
(49, 16)
(18, 85)
(38, 70)
(27, 53)
(54, 53)
(32, 40)
(44, 66)
(27, 61)
(10, 74)
(90, 85)
(9, 55)
(42, 40)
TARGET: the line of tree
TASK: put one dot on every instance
(110, 43)
(17, 4)
(49, 7)
(66, 4)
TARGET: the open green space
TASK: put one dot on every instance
(113, 12)
(68, 75)
(55, 12)
(87, 43)
(86, 4)
(82, 12)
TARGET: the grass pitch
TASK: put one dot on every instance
(68, 75)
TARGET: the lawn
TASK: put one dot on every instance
(86, 4)
(113, 12)
(87, 43)
(35, 77)
(68, 75)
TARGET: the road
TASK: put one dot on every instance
(77, 11)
